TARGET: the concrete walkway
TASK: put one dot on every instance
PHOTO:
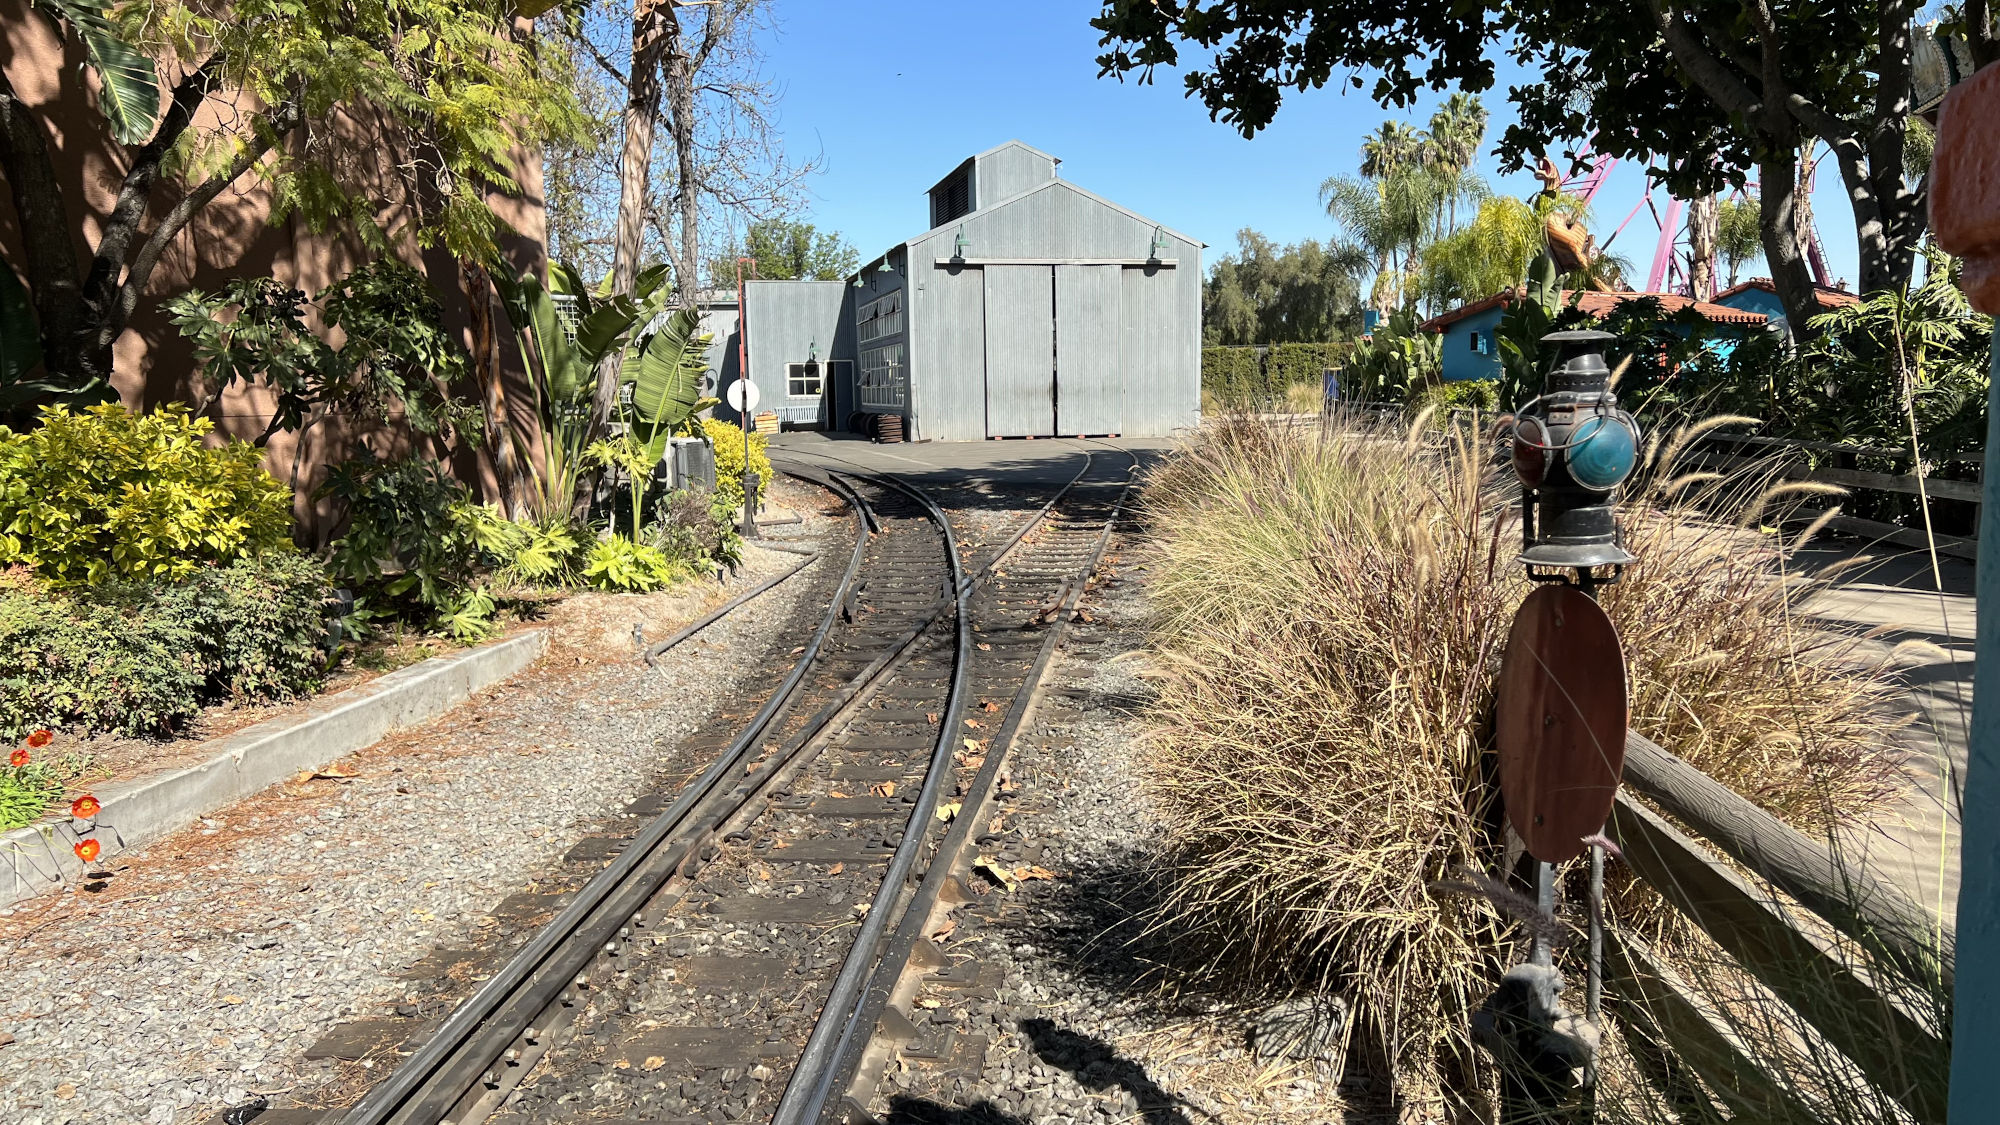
(1913, 842)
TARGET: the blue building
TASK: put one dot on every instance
(1760, 294)
(1471, 345)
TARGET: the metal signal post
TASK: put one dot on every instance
(1561, 711)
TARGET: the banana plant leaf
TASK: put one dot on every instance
(129, 87)
(564, 373)
(564, 280)
(666, 380)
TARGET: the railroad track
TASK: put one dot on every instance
(747, 950)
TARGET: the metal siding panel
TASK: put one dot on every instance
(1020, 351)
(1151, 352)
(948, 351)
(1090, 379)
(789, 322)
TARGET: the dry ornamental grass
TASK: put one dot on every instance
(1331, 610)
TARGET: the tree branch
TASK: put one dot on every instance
(283, 118)
(1709, 72)
(122, 225)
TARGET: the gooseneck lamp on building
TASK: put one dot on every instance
(1160, 244)
(1573, 448)
(960, 247)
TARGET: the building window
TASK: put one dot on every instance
(803, 380)
(880, 318)
(1478, 343)
(885, 380)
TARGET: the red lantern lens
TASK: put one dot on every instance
(1531, 451)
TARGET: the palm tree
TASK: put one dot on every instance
(1389, 149)
(1739, 234)
(1457, 130)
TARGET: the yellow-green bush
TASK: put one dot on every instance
(728, 441)
(111, 494)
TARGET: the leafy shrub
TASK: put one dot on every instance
(256, 625)
(108, 493)
(547, 553)
(1287, 364)
(143, 659)
(1460, 394)
(418, 539)
(616, 563)
(728, 442)
(695, 528)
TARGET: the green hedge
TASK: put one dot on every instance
(139, 659)
(1255, 376)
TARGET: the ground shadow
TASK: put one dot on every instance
(1097, 1065)
(922, 1111)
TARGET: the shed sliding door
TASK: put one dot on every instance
(1090, 380)
(1020, 351)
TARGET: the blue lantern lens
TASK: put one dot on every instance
(1602, 453)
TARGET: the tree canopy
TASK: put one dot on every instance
(787, 249)
(1708, 89)
(393, 118)
(1271, 294)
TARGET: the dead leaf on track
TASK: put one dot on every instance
(654, 1062)
(930, 716)
(945, 929)
(883, 789)
(949, 813)
(973, 723)
(1033, 872)
(984, 647)
(836, 869)
(992, 870)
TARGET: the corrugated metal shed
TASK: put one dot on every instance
(1042, 310)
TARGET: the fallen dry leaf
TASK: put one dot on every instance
(835, 793)
(232, 999)
(992, 870)
(984, 647)
(930, 716)
(622, 1064)
(997, 825)
(972, 744)
(1033, 872)
(654, 1062)
(929, 1003)
(973, 723)
(66, 1091)
(989, 706)
(945, 929)
(836, 869)
(883, 789)
(332, 773)
(949, 812)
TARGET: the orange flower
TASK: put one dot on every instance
(18, 759)
(84, 807)
(39, 739)
(87, 849)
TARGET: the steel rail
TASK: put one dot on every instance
(444, 1073)
(653, 653)
(859, 1032)
(822, 1047)
(427, 1085)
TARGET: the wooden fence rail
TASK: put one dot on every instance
(1789, 947)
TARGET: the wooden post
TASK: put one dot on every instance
(1965, 211)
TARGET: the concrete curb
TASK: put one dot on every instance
(38, 859)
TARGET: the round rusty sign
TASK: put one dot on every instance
(1561, 717)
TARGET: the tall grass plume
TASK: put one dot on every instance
(1331, 607)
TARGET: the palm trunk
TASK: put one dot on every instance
(1704, 217)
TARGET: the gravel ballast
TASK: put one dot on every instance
(195, 976)
(1089, 1017)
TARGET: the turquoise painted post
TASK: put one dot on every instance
(1975, 1032)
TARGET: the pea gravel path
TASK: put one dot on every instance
(208, 963)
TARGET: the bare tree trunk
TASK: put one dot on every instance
(486, 369)
(652, 22)
(1802, 213)
(680, 116)
(1704, 219)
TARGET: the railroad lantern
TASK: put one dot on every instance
(1573, 448)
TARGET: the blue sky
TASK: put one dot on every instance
(892, 94)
